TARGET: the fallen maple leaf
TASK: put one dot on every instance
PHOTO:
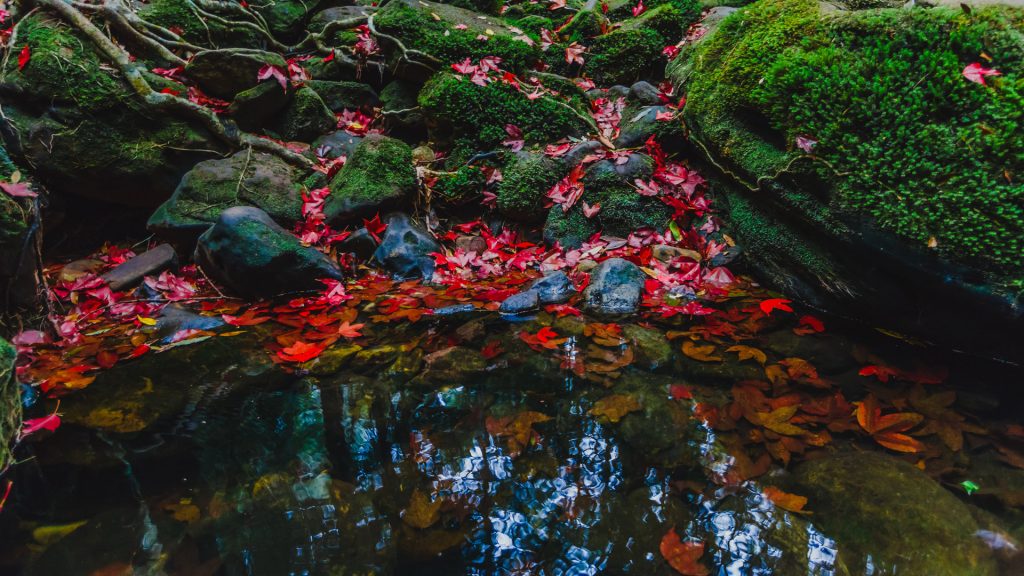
(269, 71)
(888, 429)
(574, 53)
(590, 211)
(33, 425)
(683, 557)
(300, 352)
(421, 512)
(375, 227)
(748, 353)
(23, 57)
(974, 72)
(772, 304)
(17, 189)
(348, 330)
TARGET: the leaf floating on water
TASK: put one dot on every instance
(785, 500)
(614, 407)
(300, 352)
(421, 512)
(700, 353)
(683, 557)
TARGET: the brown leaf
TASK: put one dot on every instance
(683, 557)
(700, 353)
(614, 407)
(785, 500)
(749, 353)
(421, 512)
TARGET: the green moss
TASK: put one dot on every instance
(179, 15)
(10, 402)
(533, 24)
(419, 30)
(667, 20)
(305, 118)
(472, 118)
(378, 176)
(623, 210)
(688, 10)
(285, 17)
(525, 182)
(905, 139)
(485, 6)
(624, 56)
(460, 186)
(12, 220)
(63, 68)
(584, 25)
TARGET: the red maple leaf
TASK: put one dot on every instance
(23, 57)
(771, 304)
(300, 352)
(375, 227)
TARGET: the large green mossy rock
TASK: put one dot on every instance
(10, 402)
(470, 118)
(904, 196)
(84, 131)
(379, 176)
(890, 517)
(246, 178)
(449, 34)
(185, 18)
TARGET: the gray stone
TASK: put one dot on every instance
(525, 301)
(553, 288)
(616, 287)
(336, 144)
(133, 271)
(645, 93)
(360, 243)
(252, 255)
(405, 249)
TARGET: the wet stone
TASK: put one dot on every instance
(616, 286)
(405, 249)
(134, 270)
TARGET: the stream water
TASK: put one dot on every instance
(451, 446)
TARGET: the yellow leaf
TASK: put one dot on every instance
(614, 407)
(748, 353)
(421, 512)
(47, 535)
(700, 353)
(146, 321)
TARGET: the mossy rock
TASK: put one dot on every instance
(286, 18)
(624, 56)
(470, 118)
(10, 402)
(247, 178)
(889, 515)
(193, 27)
(584, 25)
(526, 180)
(623, 209)
(340, 96)
(225, 73)
(305, 118)
(253, 108)
(689, 10)
(379, 176)
(461, 186)
(904, 142)
(431, 28)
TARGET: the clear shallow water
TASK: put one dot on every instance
(410, 456)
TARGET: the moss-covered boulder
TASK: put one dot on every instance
(185, 18)
(83, 130)
(471, 118)
(379, 176)
(526, 180)
(225, 73)
(340, 96)
(873, 151)
(10, 402)
(252, 109)
(305, 118)
(247, 178)
(449, 34)
(286, 18)
(889, 516)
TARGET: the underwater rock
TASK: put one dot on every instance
(255, 257)
(616, 286)
(890, 515)
(405, 249)
(255, 178)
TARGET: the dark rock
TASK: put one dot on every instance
(400, 95)
(459, 311)
(341, 95)
(645, 93)
(405, 249)
(378, 176)
(336, 144)
(305, 118)
(334, 14)
(360, 243)
(225, 73)
(253, 108)
(577, 153)
(214, 185)
(616, 287)
(639, 124)
(284, 18)
(254, 256)
(553, 288)
(133, 271)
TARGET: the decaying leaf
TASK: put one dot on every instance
(700, 353)
(614, 407)
(785, 500)
(422, 512)
(683, 557)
